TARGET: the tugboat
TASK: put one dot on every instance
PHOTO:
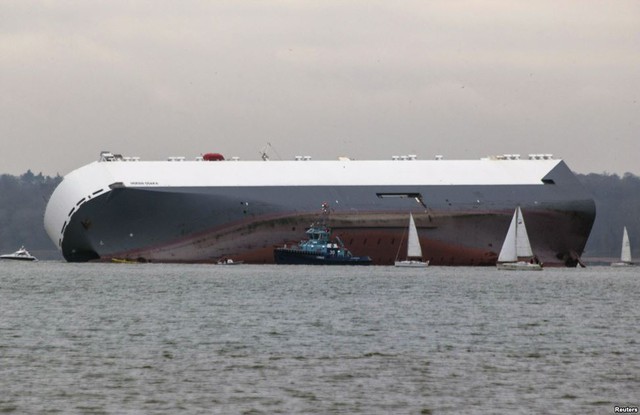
(20, 255)
(319, 249)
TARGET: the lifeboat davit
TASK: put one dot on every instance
(213, 157)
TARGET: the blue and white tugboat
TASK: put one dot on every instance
(319, 249)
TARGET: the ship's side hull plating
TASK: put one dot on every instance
(457, 225)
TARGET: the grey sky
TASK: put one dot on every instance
(366, 79)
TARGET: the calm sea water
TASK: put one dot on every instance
(167, 339)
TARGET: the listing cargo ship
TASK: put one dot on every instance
(201, 210)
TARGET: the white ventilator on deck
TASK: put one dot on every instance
(516, 244)
(625, 255)
(413, 250)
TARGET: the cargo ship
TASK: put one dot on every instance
(207, 208)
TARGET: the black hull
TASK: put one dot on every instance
(284, 256)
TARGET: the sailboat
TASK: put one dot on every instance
(625, 255)
(516, 253)
(414, 251)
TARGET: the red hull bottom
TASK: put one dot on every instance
(461, 240)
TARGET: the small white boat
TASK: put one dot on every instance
(229, 261)
(20, 255)
(414, 250)
(625, 254)
(516, 253)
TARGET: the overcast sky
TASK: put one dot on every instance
(366, 79)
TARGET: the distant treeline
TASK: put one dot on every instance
(23, 200)
(22, 203)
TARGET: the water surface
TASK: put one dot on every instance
(156, 339)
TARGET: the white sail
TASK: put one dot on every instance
(508, 251)
(625, 255)
(413, 249)
(523, 247)
(516, 244)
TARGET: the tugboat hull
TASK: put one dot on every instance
(299, 257)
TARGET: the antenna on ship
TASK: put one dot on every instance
(265, 156)
(325, 213)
